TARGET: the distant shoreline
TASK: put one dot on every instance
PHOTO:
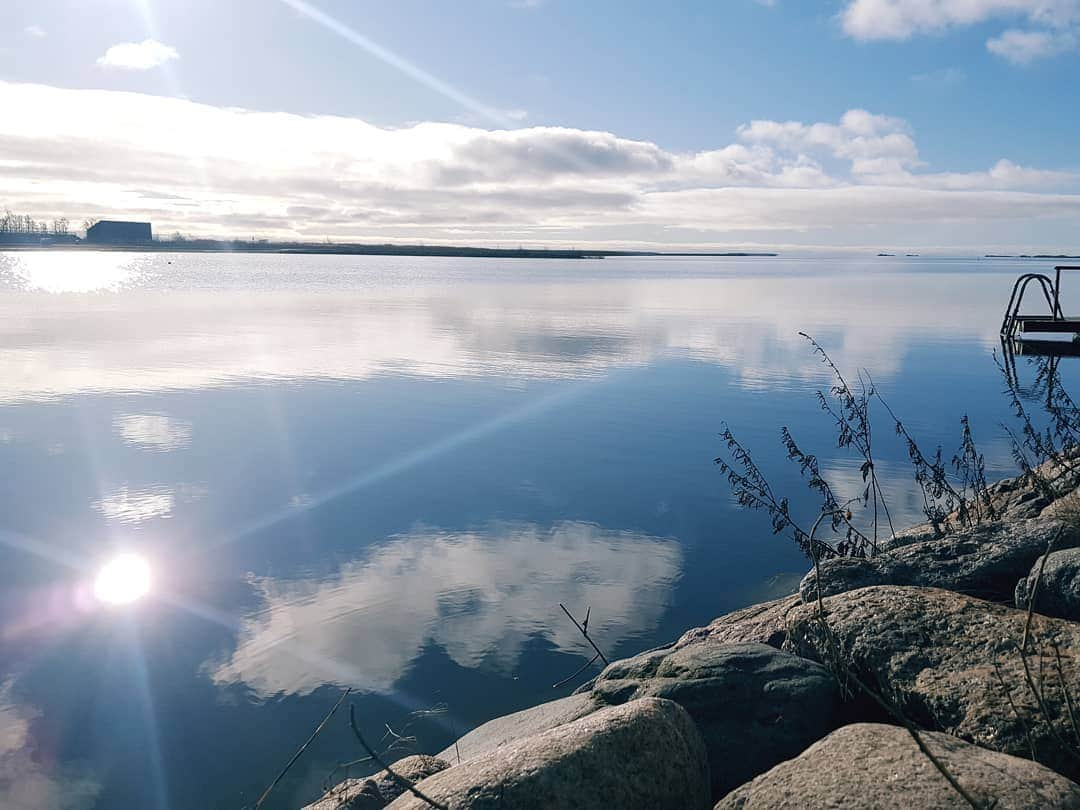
(1028, 256)
(212, 246)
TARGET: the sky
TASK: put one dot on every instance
(946, 126)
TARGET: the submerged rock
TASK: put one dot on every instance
(375, 792)
(1058, 593)
(647, 754)
(525, 723)
(952, 663)
(755, 705)
(877, 766)
(983, 561)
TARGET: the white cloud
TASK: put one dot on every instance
(35, 31)
(138, 55)
(1055, 23)
(481, 596)
(901, 19)
(212, 170)
(1024, 47)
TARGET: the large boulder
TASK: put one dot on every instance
(765, 623)
(375, 792)
(755, 705)
(525, 723)
(952, 663)
(1058, 593)
(874, 766)
(984, 561)
(646, 754)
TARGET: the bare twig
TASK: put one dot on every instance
(401, 780)
(584, 667)
(1065, 691)
(1016, 711)
(296, 756)
(585, 631)
(1035, 588)
(877, 698)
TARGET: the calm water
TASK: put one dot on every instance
(387, 473)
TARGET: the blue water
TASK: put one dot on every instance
(387, 473)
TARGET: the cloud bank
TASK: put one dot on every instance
(211, 170)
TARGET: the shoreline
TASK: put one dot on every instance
(941, 625)
(212, 246)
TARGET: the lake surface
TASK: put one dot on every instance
(387, 473)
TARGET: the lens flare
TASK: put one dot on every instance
(124, 579)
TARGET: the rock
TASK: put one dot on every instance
(939, 655)
(875, 766)
(1059, 587)
(502, 730)
(983, 561)
(755, 705)
(765, 623)
(643, 755)
(1013, 499)
(375, 792)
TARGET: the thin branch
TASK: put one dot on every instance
(585, 632)
(1035, 588)
(1065, 691)
(401, 780)
(1016, 711)
(584, 667)
(296, 756)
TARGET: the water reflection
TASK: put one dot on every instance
(153, 431)
(30, 775)
(64, 272)
(479, 595)
(574, 327)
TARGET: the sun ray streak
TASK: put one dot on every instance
(146, 701)
(414, 458)
(400, 63)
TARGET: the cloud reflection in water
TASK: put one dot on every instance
(28, 781)
(479, 595)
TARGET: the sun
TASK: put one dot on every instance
(123, 579)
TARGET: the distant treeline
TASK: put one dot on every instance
(23, 229)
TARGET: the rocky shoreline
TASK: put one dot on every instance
(916, 677)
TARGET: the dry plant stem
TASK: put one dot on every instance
(401, 780)
(1065, 691)
(296, 756)
(584, 632)
(887, 705)
(1016, 711)
(569, 678)
(1046, 715)
(1035, 589)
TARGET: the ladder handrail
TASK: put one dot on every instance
(1050, 291)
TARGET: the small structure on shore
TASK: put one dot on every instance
(112, 232)
(1016, 325)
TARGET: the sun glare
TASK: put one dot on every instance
(123, 579)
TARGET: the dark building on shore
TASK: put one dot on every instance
(110, 232)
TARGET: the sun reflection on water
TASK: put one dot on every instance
(68, 272)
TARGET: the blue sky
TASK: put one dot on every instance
(942, 93)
